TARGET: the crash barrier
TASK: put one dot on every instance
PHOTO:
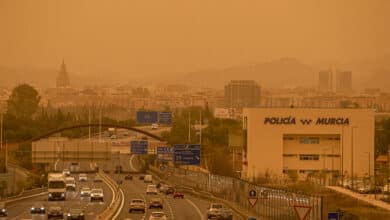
(267, 202)
(114, 208)
(26, 194)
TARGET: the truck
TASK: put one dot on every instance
(56, 186)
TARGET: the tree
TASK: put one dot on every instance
(23, 102)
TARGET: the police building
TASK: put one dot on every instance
(308, 141)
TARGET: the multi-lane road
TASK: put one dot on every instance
(21, 210)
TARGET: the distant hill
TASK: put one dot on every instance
(284, 72)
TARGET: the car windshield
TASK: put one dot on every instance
(75, 211)
(158, 214)
(137, 201)
(217, 206)
(55, 208)
(97, 191)
(56, 184)
(83, 175)
(85, 189)
(156, 200)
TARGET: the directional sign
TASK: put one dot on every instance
(165, 118)
(144, 117)
(333, 216)
(302, 211)
(165, 154)
(139, 147)
(187, 154)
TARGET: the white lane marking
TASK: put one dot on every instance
(196, 208)
(131, 163)
(122, 203)
(170, 209)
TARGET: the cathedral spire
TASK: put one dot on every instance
(63, 78)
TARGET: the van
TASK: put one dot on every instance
(148, 179)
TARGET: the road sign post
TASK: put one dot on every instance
(187, 154)
(302, 211)
(252, 198)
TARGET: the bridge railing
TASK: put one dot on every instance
(272, 203)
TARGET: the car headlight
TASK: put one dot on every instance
(50, 195)
(32, 208)
(62, 194)
(69, 215)
(81, 213)
(3, 210)
(42, 208)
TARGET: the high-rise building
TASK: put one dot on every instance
(242, 93)
(63, 78)
(344, 81)
(325, 81)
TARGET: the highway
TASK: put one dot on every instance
(21, 210)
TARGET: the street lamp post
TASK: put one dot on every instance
(352, 157)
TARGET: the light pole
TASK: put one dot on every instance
(352, 157)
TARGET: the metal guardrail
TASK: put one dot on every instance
(27, 194)
(207, 195)
(113, 210)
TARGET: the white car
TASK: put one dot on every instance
(158, 216)
(97, 194)
(85, 191)
(154, 126)
(83, 177)
(151, 190)
(66, 172)
(70, 183)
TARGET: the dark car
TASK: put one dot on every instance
(55, 212)
(38, 208)
(170, 190)
(156, 203)
(128, 177)
(178, 195)
(97, 179)
(141, 177)
(3, 209)
(75, 213)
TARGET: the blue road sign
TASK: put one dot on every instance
(139, 147)
(165, 118)
(165, 154)
(187, 154)
(144, 117)
(333, 216)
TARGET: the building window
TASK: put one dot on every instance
(309, 140)
(309, 157)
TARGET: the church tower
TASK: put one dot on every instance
(63, 78)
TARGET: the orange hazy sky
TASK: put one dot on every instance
(133, 36)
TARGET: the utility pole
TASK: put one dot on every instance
(100, 123)
(200, 128)
(89, 122)
(189, 126)
(352, 175)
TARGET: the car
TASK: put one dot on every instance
(3, 209)
(38, 208)
(55, 212)
(66, 172)
(148, 179)
(177, 194)
(70, 183)
(151, 190)
(97, 179)
(75, 213)
(85, 192)
(141, 177)
(118, 169)
(170, 190)
(128, 177)
(97, 194)
(156, 203)
(137, 205)
(83, 177)
(218, 211)
(154, 126)
(158, 216)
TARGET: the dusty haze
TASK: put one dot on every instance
(137, 38)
